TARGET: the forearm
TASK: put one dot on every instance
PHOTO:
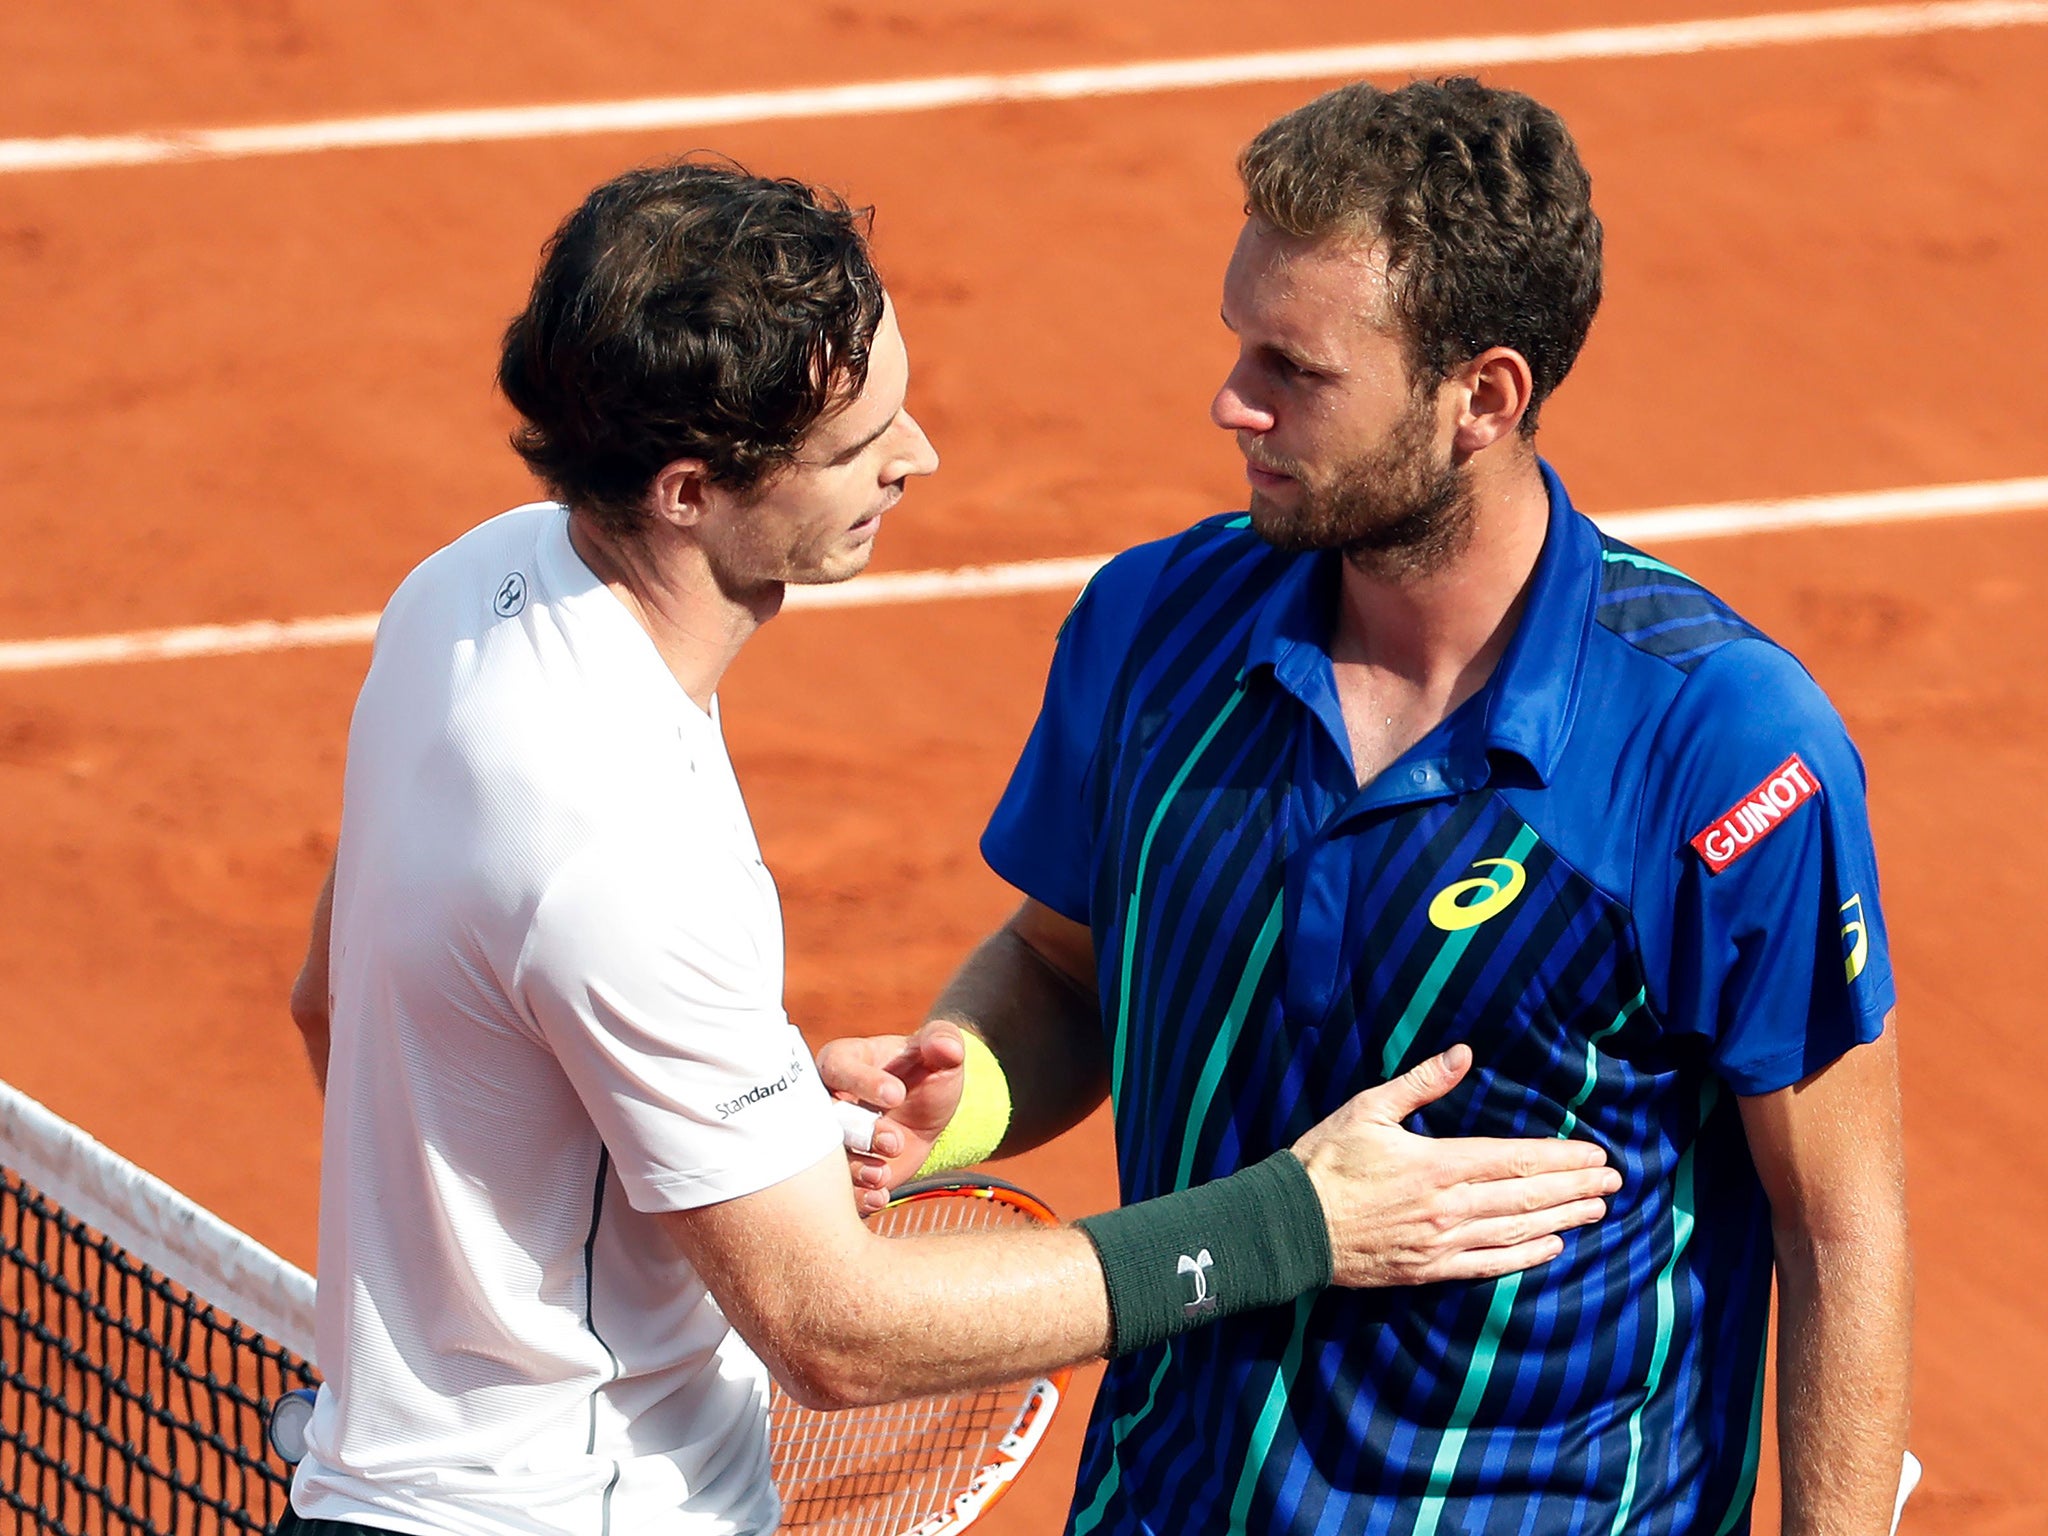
(971, 1310)
(843, 1316)
(937, 1314)
(1844, 1359)
(1043, 1026)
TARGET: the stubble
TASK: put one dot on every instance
(1394, 511)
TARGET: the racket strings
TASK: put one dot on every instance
(890, 1467)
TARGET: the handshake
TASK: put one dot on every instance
(1402, 1209)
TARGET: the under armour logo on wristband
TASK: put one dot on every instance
(1198, 1266)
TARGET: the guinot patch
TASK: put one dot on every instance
(1756, 815)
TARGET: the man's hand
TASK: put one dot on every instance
(915, 1081)
(1406, 1209)
(1027, 990)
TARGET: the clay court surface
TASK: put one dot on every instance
(261, 389)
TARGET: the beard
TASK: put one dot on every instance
(1392, 510)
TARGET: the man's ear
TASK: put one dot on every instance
(1494, 390)
(678, 493)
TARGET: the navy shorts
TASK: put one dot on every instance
(292, 1523)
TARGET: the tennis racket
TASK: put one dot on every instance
(933, 1465)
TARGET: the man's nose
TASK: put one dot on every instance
(923, 457)
(1233, 412)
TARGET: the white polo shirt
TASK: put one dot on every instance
(557, 979)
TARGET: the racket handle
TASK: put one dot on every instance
(856, 1125)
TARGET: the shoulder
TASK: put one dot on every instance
(1662, 613)
(1131, 581)
(1734, 703)
(485, 549)
(1751, 688)
(474, 574)
(1750, 738)
(1750, 756)
(1166, 581)
(1748, 706)
(1221, 551)
(1720, 713)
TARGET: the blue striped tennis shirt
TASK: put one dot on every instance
(1633, 872)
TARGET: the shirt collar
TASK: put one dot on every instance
(1534, 692)
(1529, 702)
(1291, 631)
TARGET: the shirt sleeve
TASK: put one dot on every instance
(654, 975)
(1041, 836)
(1761, 881)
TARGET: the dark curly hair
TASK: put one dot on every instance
(1481, 202)
(687, 311)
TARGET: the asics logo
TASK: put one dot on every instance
(1856, 936)
(1491, 894)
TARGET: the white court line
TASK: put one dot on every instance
(1664, 525)
(75, 152)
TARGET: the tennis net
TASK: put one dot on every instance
(141, 1342)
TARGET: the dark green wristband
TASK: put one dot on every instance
(1254, 1239)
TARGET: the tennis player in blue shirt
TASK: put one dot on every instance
(1410, 754)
